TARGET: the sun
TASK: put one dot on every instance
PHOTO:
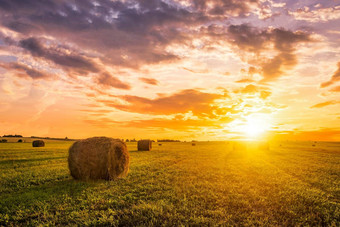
(255, 125)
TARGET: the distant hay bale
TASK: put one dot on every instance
(3, 141)
(160, 144)
(98, 158)
(193, 144)
(38, 143)
(20, 141)
(144, 145)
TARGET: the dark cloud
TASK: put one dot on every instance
(248, 38)
(335, 78)
(106, 80)
(150, 81)
(58, 56)
(252, 39)
(182, 102)
(225, 7)
(126, 33)
(25, 71)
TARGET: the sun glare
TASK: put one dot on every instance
(255, 126)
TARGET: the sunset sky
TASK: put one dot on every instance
(177, 69)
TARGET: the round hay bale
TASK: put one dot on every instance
(38, 143)
(98, 158)
(160, 144)
(144, 145)
(194, 144)
(4, 141)
(20, 141)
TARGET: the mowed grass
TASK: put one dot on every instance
(176, 184)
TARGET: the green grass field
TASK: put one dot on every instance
(176, 184)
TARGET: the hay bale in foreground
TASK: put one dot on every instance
(38, 143)
(144, 145)
(98, 158)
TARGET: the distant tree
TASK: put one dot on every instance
(127, 140)
(168, 140)
(12, 135)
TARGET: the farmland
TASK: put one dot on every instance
(292, 183)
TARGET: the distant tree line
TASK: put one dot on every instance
(161, 140)
(132, 140)
(12, 135)
(51, 138)
(168, 140)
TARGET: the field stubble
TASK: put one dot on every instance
(176, 184)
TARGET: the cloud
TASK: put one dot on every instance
(199, 103)
(316, 15)
(324, 134)
(246, 80)
(335, 78)
(198, 71)
(259, 41)
(59, 56)
(251, 89)
(225, 7)
(150, 81)
(248, 38)
(125, 33)
(336, 89)
(323, 104)
(26, 71)
(106, 80)
(177, 123)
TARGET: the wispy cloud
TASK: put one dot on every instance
(323, 104)
(335, 78)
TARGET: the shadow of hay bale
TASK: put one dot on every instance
(98, 158)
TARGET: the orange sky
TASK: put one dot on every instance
(177, 69)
